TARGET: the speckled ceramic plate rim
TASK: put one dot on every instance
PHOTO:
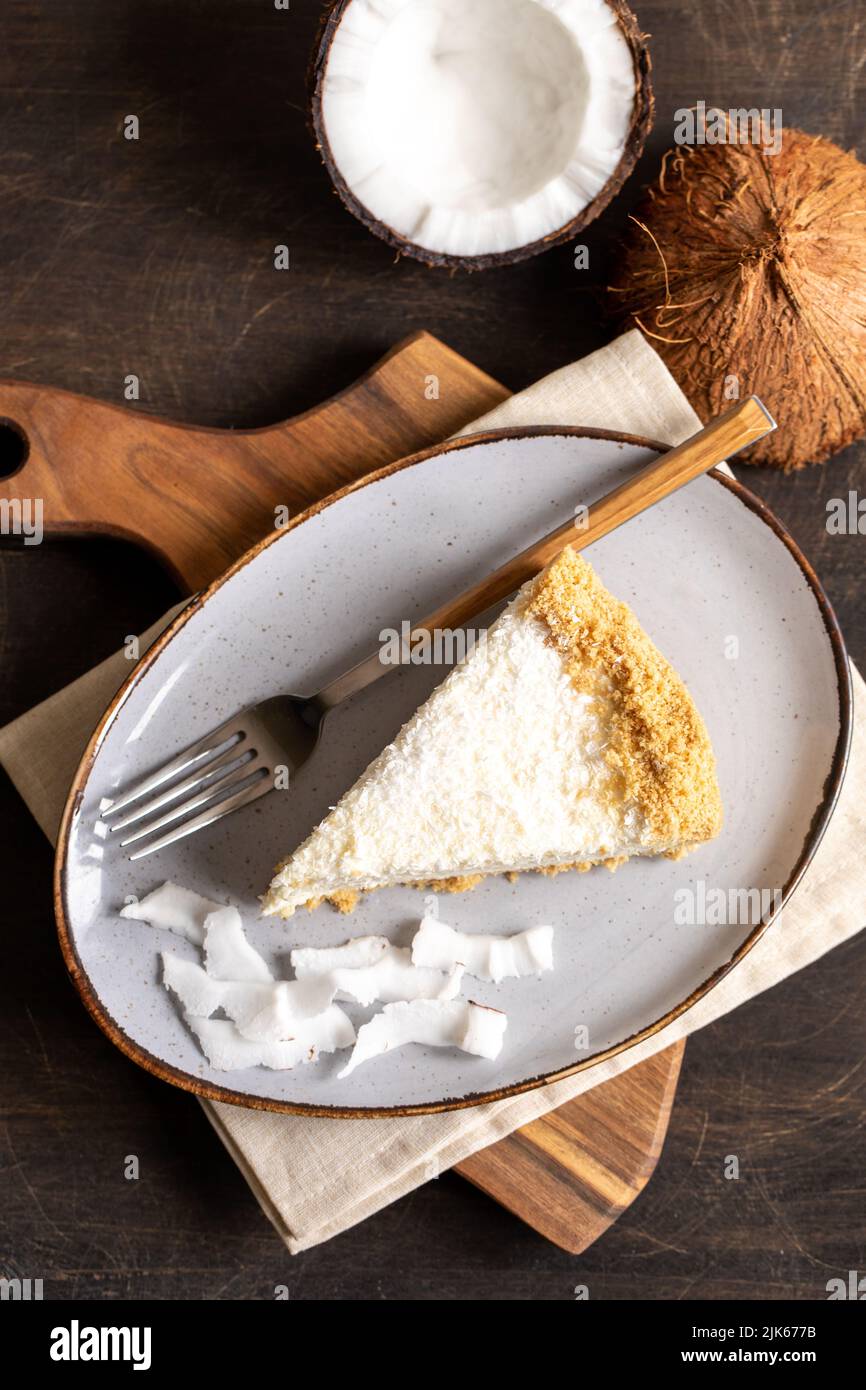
(205, 1090)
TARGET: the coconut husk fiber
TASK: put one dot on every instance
(747, 272)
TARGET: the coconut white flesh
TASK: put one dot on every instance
(275, 1011)
(178, 909)
(393, 978)
(482, 127)
(388, 977)
(352, 955)
(439, 947)
(457, 1023)
(227, 953)
(289, 1010)
(227, 1050)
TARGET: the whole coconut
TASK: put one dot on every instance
(747, 271)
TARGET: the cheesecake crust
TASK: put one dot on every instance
(347, 899)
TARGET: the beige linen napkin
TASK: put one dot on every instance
(316, 1177)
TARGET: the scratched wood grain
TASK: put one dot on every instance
(156, 258)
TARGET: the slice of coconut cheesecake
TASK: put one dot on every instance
(564, 740)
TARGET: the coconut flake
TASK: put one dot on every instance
(227, 953)
(433, 1022)
(494, 958)
(352, 955)
(395, 978)
(281, 1023)
(227, 1050)
(370, 970)
(198, 993)
(288, 1009)
(263, 1012)
(178, 909)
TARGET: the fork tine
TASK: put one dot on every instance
(209, 816)
(233, 777)
(232, 755)
(210, 743)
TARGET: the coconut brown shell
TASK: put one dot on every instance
(747, 272)
(641, 122)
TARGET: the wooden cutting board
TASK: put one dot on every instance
(198, 498)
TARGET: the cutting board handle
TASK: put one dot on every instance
(198, 498)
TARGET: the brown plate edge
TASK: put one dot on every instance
(206, 1091)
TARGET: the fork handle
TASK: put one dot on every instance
(736, 429)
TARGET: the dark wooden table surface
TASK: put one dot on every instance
(156, 258)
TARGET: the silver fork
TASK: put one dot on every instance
(238, 762)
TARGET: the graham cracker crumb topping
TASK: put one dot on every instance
(659, 749)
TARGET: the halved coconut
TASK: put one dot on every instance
(475, 133)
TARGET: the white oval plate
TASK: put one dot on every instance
(716, 583)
